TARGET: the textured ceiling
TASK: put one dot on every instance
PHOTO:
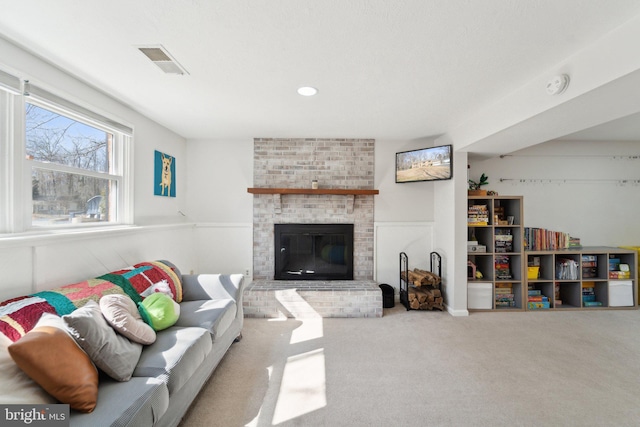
(385, 69)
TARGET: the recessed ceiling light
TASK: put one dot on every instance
(307, 91)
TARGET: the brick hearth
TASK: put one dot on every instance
(308, 299)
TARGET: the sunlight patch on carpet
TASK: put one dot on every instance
(254, 422)
(295, 304)
(310, 329)
(303, 387)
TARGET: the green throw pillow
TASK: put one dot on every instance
(159, 311)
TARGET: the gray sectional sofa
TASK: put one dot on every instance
(171, 371)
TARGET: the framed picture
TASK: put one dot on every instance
(425, 164)
(164, 175)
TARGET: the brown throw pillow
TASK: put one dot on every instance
(53, 359)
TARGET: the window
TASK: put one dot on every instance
(73, 162)
(70, 173)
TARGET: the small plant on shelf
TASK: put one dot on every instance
(475, 186)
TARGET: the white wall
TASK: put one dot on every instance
(572, 186)
(219, 173)
(451, 236)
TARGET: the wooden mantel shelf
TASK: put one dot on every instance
(339, 191)
(277, 193)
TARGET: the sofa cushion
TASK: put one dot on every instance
(54, 360)
(159, 311)
(114, 354)
(122, 314)
(213, 315)
(174, 356)
(138, 402)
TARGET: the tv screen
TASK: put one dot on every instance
(425, 164)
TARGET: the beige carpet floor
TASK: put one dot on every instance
(422, 368)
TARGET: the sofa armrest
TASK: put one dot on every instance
(212, 286)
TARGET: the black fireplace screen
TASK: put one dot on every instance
(313, 251)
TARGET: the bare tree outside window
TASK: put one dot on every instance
(68, 158)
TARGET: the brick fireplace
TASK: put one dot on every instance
(295, 163)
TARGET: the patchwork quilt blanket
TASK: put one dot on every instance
(19, 315)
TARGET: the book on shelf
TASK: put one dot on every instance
(504, 285)
(541, 239)
(503, 241)
(504, 296)
(478, 215)
(619, 275)
(588, 292)
(510, 303)
(538, 305)
(592, 304)
(614, 264)
(536, 300)
(589, 266)
(502, 267)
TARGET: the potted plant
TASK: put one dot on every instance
(474, 186)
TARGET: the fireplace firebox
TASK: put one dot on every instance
(313, 251)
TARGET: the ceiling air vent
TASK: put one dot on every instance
(159, 56)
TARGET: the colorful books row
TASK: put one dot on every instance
(541, 239)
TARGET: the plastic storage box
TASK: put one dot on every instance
(621, 293)
(480, 295)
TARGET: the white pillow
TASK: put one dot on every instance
(122, 314)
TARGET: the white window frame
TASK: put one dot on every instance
(15, 177)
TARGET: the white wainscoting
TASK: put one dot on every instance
(35, 263)
(391, 238)
(224, 248)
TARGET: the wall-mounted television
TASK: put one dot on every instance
(425, 164)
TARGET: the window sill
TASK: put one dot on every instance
(34, 237)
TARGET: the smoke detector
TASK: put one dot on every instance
(557, 84)
(161, 57)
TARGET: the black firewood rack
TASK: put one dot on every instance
(435, 263)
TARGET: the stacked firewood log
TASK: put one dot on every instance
(424, 290)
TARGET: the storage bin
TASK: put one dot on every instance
(388, 299)
(532, 272)
(480, 295)
(621, 293)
